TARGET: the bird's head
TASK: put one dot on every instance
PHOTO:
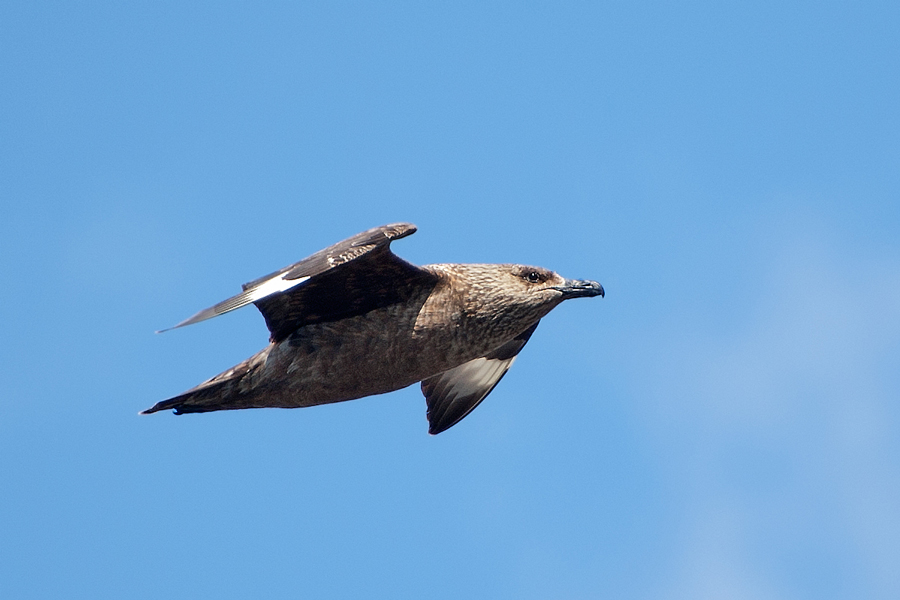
(507, 289)
(550, 285)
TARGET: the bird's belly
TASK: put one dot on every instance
(355, 357)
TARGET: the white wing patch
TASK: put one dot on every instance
(272, 286)
(267, 288)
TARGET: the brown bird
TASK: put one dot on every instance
(354, 320)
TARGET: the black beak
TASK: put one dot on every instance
(580, 288)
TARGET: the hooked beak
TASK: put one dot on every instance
(580, 288)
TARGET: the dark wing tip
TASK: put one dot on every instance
(396, 231)
(440, 427)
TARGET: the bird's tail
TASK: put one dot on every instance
(225, 391)
(206, 397)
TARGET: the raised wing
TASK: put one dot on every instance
(453, 394)
(333, 282)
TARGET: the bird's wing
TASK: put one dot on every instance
(342, 278)
(453, 394)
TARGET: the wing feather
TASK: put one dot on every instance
(453, 394)
(273, 293)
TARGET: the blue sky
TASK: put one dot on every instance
(724, 424)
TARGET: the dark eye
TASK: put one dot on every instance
(533, 277)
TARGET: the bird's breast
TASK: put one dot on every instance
(377, 352)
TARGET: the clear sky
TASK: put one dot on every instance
(724, 424)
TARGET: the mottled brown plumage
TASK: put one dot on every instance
(355, 320)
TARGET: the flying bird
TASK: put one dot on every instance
(355, 320)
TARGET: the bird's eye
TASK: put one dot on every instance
(533, 277)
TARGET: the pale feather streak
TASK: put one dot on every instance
(453, 394)
(275, 285)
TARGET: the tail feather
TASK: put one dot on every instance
(208, 399)
(223, 392)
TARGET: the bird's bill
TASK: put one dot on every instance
(580, 288)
